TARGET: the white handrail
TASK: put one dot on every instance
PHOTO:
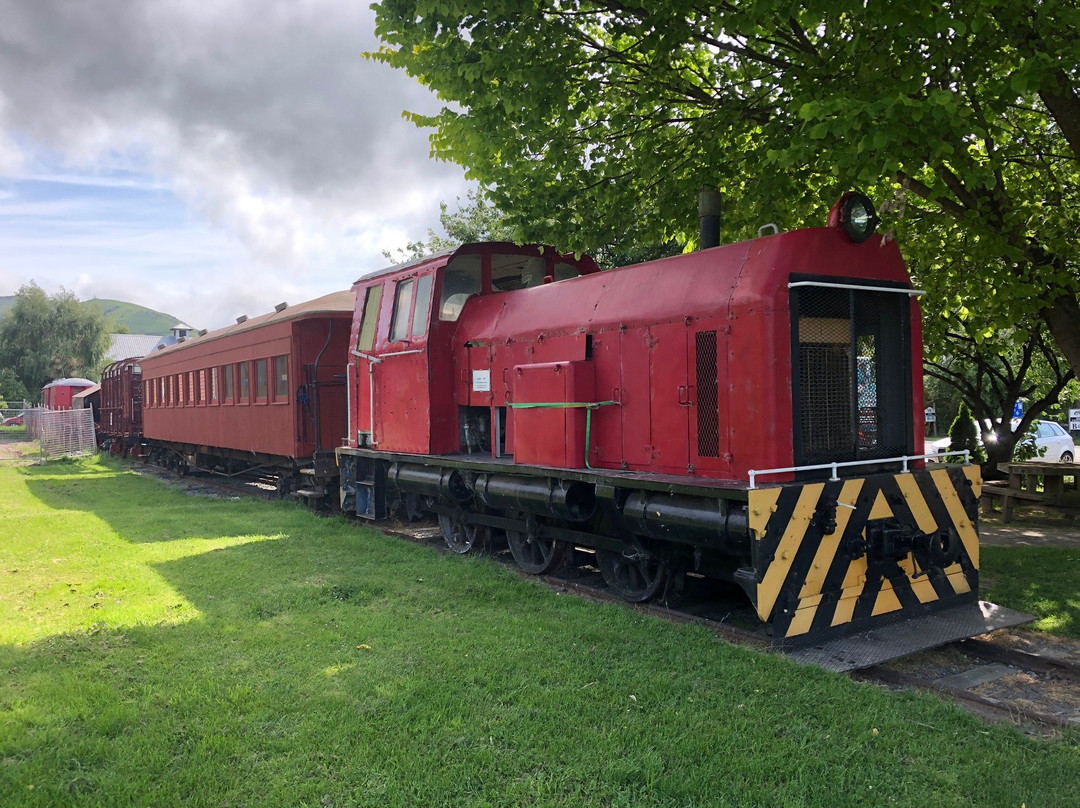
(754, 474)
(861, 288)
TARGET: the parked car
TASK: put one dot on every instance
(1058, 442)
(15, 420)
(1048, 435)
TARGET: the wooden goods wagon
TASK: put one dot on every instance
(120, 415)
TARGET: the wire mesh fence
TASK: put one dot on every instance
(13, 420)
(16, 445)
(65, 433)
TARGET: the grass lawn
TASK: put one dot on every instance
(158, 649)
(1043, 581)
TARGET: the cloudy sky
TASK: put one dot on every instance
(206, 159)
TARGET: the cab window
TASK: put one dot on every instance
(403, 299)
(421, 306)
(461, 279)
(510, 272)
(411, 302)
(564, 271)
(371, 315)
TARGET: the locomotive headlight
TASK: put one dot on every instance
(856, 215)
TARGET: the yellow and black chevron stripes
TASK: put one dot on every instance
(820, 560)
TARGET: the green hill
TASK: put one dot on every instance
(137, 319)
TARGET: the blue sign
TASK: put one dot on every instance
(1018, 409)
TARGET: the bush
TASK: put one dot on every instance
(963, 434)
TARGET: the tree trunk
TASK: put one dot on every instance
(1063, 320)
(1064, 106)
(999, 451)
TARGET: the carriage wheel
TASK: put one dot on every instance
(635, 578)
(462, 537)
(536, 556)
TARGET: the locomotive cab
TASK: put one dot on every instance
(408, 352)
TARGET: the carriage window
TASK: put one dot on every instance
(245, 384)
(191, 387)
(461, 278)
(371, 315)
(420, 308)
(214, 385)
(202, 388)
(260, 380)
(281, 378)
(227, 372)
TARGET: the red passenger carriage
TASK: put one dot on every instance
(267, 392)
(58, 395)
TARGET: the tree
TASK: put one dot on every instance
(477, 220)
(480, 220)
(963, 434)
(11, 388)
(596, 122)
(44, 337)
(992, 376)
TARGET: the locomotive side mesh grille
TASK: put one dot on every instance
(853, 367)
(708, 401)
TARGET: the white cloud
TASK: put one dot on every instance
(262, 117)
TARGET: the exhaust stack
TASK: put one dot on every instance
(708, 218)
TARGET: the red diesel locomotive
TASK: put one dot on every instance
(749, 412)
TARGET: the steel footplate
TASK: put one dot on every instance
(907, 636)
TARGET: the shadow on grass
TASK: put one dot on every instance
(240, 558)
(142, 508)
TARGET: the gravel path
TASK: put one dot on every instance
(1020, 535)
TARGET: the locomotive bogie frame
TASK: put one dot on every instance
(816, 560)
(549, 510)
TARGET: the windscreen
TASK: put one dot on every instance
(851, 382)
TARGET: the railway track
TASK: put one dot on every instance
(1035, 688)
(263, 487)
(992, 680)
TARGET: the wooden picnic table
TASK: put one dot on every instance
(1023, 486)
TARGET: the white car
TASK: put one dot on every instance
(1050, 436)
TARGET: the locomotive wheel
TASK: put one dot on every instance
(536, 556)
(462, 537)
(634, 578)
